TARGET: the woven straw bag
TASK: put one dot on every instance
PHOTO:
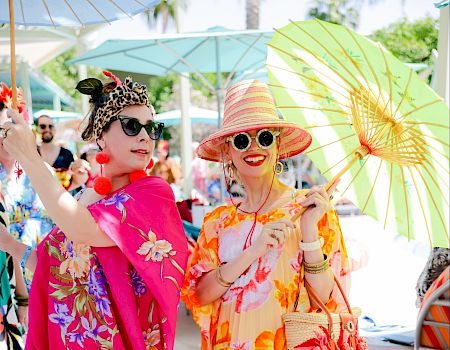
(326, 330)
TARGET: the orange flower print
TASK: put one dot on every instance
(271, 216)
(223, 334)
(152, 337)
(268, 340)
(286, 295)
(77, 258)
(246, 345)
(154, 249)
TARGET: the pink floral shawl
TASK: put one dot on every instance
(122, 297)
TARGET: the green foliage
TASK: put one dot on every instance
(198, 84)
(410, 41)
(66, 76)
(160, 90)
(344, 12)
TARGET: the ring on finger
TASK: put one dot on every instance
(274, 236)
(3, 133)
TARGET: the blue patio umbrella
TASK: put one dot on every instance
(196, 114)
(217, 50)
(64, 13)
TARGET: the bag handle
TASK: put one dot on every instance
(314, 297)
(319, 302)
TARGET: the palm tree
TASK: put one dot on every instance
(252, 13)
(344, 12)
(164, 10)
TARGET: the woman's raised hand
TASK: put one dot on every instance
(317, 202)
(273, 235)
(18, 139)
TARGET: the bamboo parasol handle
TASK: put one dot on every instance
(359, 154)
(12, 44)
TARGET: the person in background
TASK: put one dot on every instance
(199, 174)
(12, 282)
(88, 154)
(438, 261)
(28, 219)
(72, 173)
(58, 157)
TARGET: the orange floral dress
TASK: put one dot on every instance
(249, 315)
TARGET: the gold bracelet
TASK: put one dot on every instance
(315, 268)
(221, 280)
(316, 271)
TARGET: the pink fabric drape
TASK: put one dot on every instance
(122, 297)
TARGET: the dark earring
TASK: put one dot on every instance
(230, 170)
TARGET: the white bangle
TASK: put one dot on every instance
(310, 246)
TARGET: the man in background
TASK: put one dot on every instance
(72, 174)
(58, 157)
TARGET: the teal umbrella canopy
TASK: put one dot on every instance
(43, 90)
(217, 50)
(196, 114)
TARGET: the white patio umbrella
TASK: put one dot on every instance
(63, 13)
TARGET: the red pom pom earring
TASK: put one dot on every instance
(102, 185)
(139, 174)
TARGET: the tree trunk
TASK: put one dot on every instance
(252, 13)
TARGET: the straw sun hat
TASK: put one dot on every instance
(249, 106)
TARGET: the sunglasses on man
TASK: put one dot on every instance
(242, 141)
(45, 126)
(132, 126)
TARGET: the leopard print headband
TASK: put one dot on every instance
(126, 93)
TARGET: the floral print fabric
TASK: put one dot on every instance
(29, 221)
(249, 315)
(121, 297)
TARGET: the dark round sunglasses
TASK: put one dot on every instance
(132, 126)
(242, 141)
(45, 126)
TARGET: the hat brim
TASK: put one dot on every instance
(293, 140)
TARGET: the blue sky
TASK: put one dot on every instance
(275, 13)
(202, 14)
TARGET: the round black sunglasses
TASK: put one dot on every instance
(242, 141)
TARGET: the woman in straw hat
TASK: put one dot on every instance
(109, 276)
(251, 261)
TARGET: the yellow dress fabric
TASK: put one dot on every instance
(248, 315)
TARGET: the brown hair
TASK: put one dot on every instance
(157, 168)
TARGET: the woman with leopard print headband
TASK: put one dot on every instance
(109, 275)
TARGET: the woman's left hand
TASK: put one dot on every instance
(317, 203)
(18, 139)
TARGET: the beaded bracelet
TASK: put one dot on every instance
(221, 280)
